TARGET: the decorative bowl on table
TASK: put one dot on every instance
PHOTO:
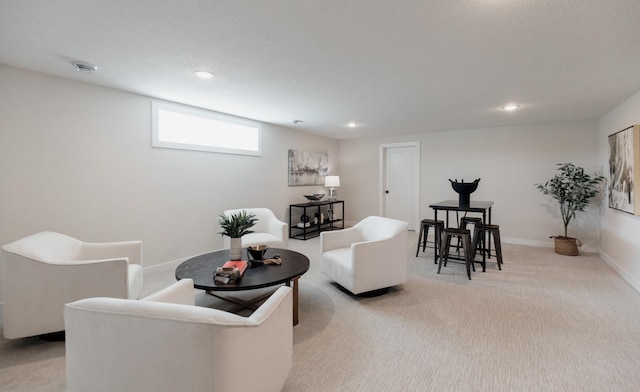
(256, 252)
(464, 189)
(315, 196)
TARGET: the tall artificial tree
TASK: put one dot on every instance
(572, 188)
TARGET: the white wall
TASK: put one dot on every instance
(509, 162)
(620, 241)
(77, 158)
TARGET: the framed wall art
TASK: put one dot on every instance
(624, 170)
(307, 168)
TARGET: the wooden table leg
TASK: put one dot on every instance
(435, 251)
(294, 286)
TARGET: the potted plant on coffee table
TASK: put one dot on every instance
(573, 189)
(235, 226)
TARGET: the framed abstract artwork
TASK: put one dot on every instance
(624, 170)
(307, 168)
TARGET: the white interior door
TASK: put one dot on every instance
(400, 180)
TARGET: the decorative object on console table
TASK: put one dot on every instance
(304, 221)
(315, 196)
(624, 170)
(332, 182)
(573, 189)
(330, 215)
(235, 226)
(464, 189)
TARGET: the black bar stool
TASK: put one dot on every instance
(465, 220)
(466, 246)
(464, 223)
(479, 237)
(438, 226)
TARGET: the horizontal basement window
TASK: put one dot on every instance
(188, 128)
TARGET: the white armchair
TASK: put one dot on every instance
(44, 271)
(268, 230)
(165, 343)
(369, 256)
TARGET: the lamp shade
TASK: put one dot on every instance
(332, 181)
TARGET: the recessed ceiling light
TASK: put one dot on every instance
(510, 107)
(204, 74)
(352, 124)
(84, 67)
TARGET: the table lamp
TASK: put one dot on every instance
(332, 182)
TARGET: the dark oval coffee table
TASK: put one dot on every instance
(258, 275)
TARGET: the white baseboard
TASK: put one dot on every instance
(537, 244)
(635, 283)
(520, 241)
(165, 264)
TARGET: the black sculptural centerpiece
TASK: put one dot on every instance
(464, 189)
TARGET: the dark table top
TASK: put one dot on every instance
(454, 205)
(317, 203)
(201, 269)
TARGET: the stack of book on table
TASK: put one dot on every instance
(230, 271)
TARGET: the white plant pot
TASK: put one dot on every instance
(235, 248)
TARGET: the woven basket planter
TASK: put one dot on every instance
(567, 246)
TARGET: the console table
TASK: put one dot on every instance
(321, 216)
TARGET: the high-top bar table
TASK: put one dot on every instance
(483, 207)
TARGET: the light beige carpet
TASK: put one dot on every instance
(544, 323)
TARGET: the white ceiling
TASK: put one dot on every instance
(392, 66)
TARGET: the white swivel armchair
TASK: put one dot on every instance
(371, 255)
(268, 230)
(44, 271)
(165, 343)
